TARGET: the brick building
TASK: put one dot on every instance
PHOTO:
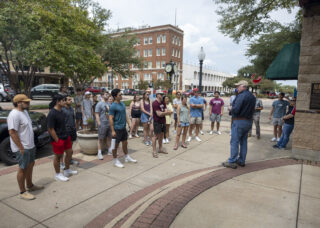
(158, 46)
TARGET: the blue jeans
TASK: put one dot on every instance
(286, 132)
(239, 135)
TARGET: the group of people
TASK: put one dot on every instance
(111, 120)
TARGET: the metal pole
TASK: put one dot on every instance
(200, 79)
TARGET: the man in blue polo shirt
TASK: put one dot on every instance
(196, 107)
(242, 112)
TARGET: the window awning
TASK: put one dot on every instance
(286, 65)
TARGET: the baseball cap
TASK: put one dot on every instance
(159, 91)
(21, 97)
(242, 82)
(195, 90)
(87, 93)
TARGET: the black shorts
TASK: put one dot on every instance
(175, 116)
(135, 113)
(78, 116)
(158, 128)
(121, 135)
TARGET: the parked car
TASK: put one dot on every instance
(222, 94)
(210, 94)
(44, 91)
(93, 89)
(6, 93)
(188, 92)
(272, 95)
(41, 135)
(129, 92)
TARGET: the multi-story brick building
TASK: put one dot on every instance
(157, 45)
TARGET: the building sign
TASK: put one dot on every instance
(315, 96)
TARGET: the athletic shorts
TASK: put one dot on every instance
(121, 135)
(27, 157)
(277, 122)
(79, 116)
(104, 131)
(158, 128)
(62, 145)
(175, 116)
(196, 120)
(215, 117)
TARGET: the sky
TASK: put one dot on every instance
(199, 22)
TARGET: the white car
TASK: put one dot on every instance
(210, 94)
(4, 94)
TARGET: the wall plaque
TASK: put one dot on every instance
(315, 96)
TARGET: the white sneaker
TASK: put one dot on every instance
(201, 132)
(62, 166)
(164, 141)
(137, 136)
(198, 139)
(129, 159)
(74, 162)
(150, 143)
(167, 140)
(219, 132)
(109, 151)
(100, 157)
(117, 163)
(189, 139)
(60, 177)
(273, 139)
(69, 172)
(278, 139)
(130, 136)
(211, 133)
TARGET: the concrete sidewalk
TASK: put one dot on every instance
(279, 192)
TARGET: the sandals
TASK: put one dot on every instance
(155, 154)
(162, 152)
(184, 146)
(175, 148)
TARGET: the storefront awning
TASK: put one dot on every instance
(286, 65)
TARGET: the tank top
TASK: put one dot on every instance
(135, 107)
(146, 107)
(184, 114)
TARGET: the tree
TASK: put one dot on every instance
(247, 19)
(157, 84)
(143, 85)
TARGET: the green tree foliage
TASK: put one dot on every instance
(162, 84)
(249, 18)
(143, 85)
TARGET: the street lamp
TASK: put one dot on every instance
(201, 57)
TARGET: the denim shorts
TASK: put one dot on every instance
(27, 157)
(144, 118)
(277, 121)
(215, 117)
(184, 124)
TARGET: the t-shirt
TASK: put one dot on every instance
(78, 100)
(258, 105)
(156, 106)
(103, 108)
(69, 117)
(21, 122)
(196, 112)
(56, 120)
(168, 117)
(118, 111)
(87, 107)
(279, 108)
(216, 104)
(291, 110)
(232, 98)
(178, 102)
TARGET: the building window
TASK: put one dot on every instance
(179, 42)
(158, 51)
(145, 64)
(149, 65)
(147, 77)
(145, 40)
(173, 39)
(138, 53)
(145, 54)
(163, 64)
(138, 41)
(160, 76)
(150, 52)
(150, 40)
(159, 39)
(164, 38)
(176, 53)
(179, 54)
(163, 51)
(172, 52)
(158, 66)
(195, 76)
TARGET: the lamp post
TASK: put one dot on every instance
(201, 57)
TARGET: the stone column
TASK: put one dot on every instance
(306, 135)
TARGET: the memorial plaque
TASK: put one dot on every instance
(315, 96)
